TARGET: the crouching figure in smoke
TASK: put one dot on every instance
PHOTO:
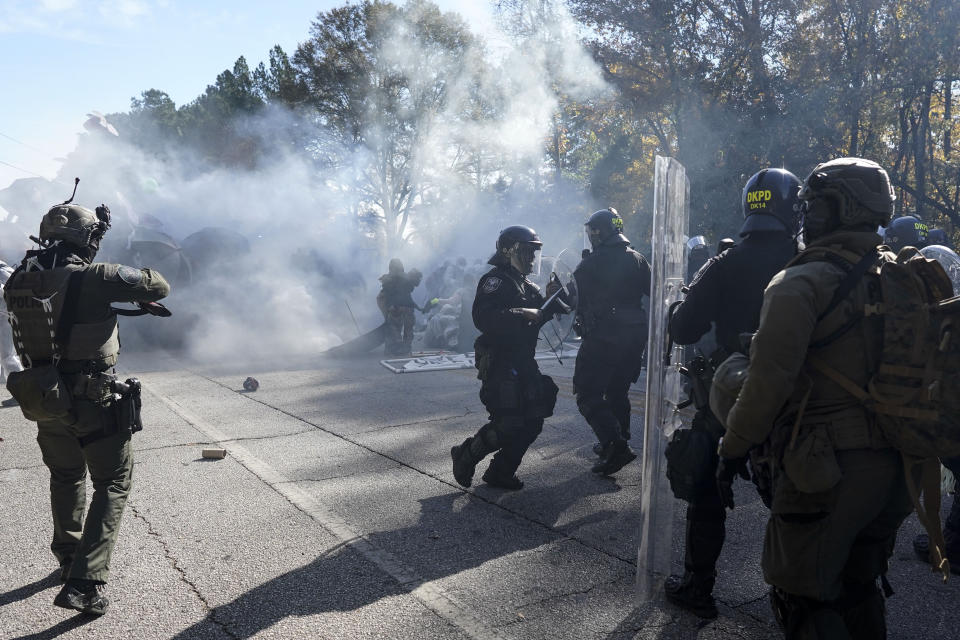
(397, 305)
(509, 311)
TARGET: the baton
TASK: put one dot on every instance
(553, 276)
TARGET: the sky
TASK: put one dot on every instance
(61, 59)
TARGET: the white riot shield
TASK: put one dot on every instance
(948, 259)
(664, 385)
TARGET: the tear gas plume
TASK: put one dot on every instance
(265, 262)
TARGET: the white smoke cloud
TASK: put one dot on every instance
(310, 255)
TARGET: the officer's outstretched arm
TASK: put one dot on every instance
(129, 284)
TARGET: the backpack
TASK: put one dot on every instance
(915, 392)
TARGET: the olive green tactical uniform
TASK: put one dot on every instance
(839, 489)
(91, 441)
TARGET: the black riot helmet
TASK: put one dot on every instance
(938, 236)
(845, 193)
(607, 221)
(518, 233)
(517, 244)
(906, 231)
(770, 202)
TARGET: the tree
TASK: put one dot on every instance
(379, 78)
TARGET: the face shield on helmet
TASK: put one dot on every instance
(524, 257)
(519, 246)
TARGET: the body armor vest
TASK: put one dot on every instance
(35, 303)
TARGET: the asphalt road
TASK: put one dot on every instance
(335, 515)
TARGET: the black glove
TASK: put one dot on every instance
(727, 470)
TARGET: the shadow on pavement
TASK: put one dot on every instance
(27, 590)
(444, 542)
(60, 628)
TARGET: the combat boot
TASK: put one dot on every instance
(502, 481)
(83, 595)
(693, 593)
(464, 464)
(615, 456)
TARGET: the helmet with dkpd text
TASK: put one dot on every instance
(770, 202)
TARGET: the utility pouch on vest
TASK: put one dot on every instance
(41, 393)
(127, 407)
(691, 462)
(541, 397)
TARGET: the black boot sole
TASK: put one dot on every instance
(614, 464)
(508, 484)
(705, 611)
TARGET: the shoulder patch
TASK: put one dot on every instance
(130, 275)
(491, 284)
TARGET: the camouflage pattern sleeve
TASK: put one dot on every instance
(119, 283)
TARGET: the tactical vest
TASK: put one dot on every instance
(35, 303)
(852, 345)
(612, 275)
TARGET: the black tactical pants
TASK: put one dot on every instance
(518, 400)
(705, 532)
(601, 380)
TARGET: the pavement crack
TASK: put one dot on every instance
(559, 533)
(752, 616)
(325, 478)
(181, 572)
(270, 437)
(567, 594)
(407, 424)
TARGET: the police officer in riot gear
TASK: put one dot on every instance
(85, 424)
(939, 237)
(727, 294)
(507, 311)
(611, 282)
(951, 526)
(905, 231)
(839, 490)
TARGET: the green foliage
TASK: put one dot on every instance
(399, 102)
